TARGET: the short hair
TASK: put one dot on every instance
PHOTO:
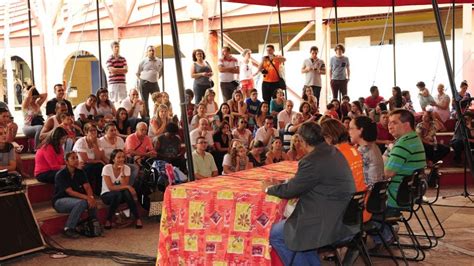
(405, 93)
(64, 115)
(310, 133)
(368, 126)
(194, 54)
(335, 130)
(313, 48)
(57, 85)
(373, 88)
(4, 110)
(340, 46)
(464, 83)
(226, 48)
(141, 124)
(269, 117)
(189, 92)
(420, 84)
(329, 106)
(69, 154)
(60, 103)
(114, 43)
(346, 97)
(246, 51)
(172, 128)
(271, 46)
(93, 96)
(405, 116)
(97, 118)
(346, 118)
(200, 137)
(384, 112)
(109, 125)
(151, 46)
(253, 90)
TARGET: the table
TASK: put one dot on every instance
(224, 220)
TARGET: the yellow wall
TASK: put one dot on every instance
(81, 78)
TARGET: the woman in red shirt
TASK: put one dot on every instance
(49, 158)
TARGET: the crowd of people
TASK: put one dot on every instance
(104, 140)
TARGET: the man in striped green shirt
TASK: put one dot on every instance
(407, 155)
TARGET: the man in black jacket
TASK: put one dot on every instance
(324, 186)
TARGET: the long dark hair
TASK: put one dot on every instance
(220, 114)
(54, 139)
(398, 98)
(99, 92)
(259, 109)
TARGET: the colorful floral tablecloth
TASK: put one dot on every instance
(224, 220)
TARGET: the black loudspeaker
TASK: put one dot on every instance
(19, 232)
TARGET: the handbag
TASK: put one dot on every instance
(211, 82)
(281, 81)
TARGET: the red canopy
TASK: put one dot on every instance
(344, 3)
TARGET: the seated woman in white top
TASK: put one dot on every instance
(91, 155)
(236, 160)
(105, 107)
(116, 188)
(85, 112)
(211, 106)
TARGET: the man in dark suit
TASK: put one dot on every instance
(324, 186)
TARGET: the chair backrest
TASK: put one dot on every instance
(377, 202)
(355, 208)
(409, 189)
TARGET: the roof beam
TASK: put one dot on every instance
(298, 36)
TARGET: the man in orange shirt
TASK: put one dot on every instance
(270, 67)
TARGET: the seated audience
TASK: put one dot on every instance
(374, 99)
(222, 115)
(203, 130)
(323, 184)
(33, 119)
(222, 138)
(86, 111)
(242, 133)
(291, 128)
(166, 101)
(424, 96)
(331, 111)
(426, 130)
(257, 153)
(53, 120)
(122, 121)
(296, 151)
(134, 107)
(442, 104)
(159, 121)
(276, 153)
(457, 142)
(168, 147)
(49, 158)
(209, 101)
(356, 110)
(397, 100)
(346, 122)
(138, 145)
(277, 104)
(6, 121)
(253, 104)
(384, 138)
(60, 92)
(408, 103)
(262, 113)
(100, 122)
(305, 110)
(338, 108)
(91, 155)
(346, 106)
(190, 107)
(463, 97)
(375, 114)
(363, 132)
(157, 99)
(116, 188)
(72, 130)
(309, 97)
(267, 132)
(200, 114)
(7, 152)
(203, 162)
(238, 107)
(105, 106)
(73, 195)
(284, 117)
(236, 160)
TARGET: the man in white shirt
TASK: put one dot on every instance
(284, 117)
(203, 131)
(313, 68)
(149, 72)
(228, 68)
(267, 133)
(203, 162)
(134, 107)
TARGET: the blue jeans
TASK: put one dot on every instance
(33, 132)
(75, 207)
(114, 198)
(309, 257)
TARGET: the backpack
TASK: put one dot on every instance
(90, 228)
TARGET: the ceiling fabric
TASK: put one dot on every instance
(344, 3)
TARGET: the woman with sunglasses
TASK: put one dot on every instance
(242, 133)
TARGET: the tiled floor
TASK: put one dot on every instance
(457, 248)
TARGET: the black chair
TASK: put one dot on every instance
(376, 205)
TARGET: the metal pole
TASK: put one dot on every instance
(394, 45)
(447, 62)
(31, 44)
(222, 23)
(179, 72)
(453, 35)
(337, 23)
(279, 29)
(162, 47)
(98, 38)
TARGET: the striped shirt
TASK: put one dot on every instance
(407, 156)
(118, 62)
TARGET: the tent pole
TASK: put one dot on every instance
(447, 62)
(162, 47)
(98, 39)
(279, 28)
(394, 45)
(179, 72)
(222, 23)
(31, 44)
(337, 23)
(454, 34)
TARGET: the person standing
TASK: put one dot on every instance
(339, 72)
(149, 72)
(60, 97)
(313, 67)
(117, 66)
(245, 74)
(229, 70)
(270, 67)
(201, 72)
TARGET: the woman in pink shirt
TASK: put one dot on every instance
(49, 158)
